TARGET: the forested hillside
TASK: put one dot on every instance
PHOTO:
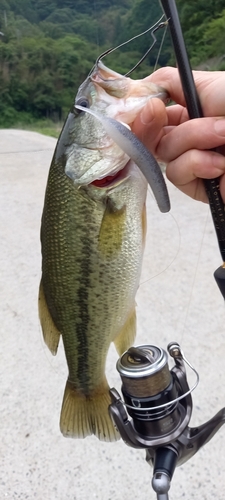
(48, 47)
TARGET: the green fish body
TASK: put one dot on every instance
(92, 236)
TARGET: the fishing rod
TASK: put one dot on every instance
(195, 111)
(156, 404)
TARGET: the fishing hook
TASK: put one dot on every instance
(152, 29)
(160, 25)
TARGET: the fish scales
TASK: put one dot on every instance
(92, 237)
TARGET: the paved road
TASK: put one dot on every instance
(177, 299)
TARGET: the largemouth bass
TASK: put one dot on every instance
(92, 235)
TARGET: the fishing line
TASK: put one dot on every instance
(176, 254)
(154, 28)
(183, 332)
(161, 44)
(161, 25)
(183, 320)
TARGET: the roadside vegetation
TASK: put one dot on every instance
(48, 48)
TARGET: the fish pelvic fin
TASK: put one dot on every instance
(127, 334)
(50, 333)
(82, 415)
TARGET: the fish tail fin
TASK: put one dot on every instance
(83, 415)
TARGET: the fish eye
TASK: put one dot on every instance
(82, 101)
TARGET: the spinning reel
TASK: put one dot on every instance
(159, 402)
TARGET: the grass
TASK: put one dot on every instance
(45, 127)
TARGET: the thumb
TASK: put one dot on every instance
(149, 123)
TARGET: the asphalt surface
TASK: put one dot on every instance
(177, 300)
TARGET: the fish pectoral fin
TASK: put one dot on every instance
(127, 335)
(82, 415)
(111, 234)
(50, 333)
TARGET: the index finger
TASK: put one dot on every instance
(210, 88)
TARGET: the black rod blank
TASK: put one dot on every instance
(195, 111)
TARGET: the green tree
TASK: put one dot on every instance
(49, 47)
(214, 36)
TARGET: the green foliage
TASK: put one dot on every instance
(196, 17)
(40, 75)
(49, 47)
(214, 35)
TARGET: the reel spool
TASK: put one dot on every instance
(159, 403)
(150, 391)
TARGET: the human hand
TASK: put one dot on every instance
(184, 144)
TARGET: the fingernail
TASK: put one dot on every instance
(219, 127)
(146, 114)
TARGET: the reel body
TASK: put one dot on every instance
(156, 410)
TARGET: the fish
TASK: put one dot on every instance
(93, 231)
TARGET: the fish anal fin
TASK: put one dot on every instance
(82, 415)
(127, 334)
(50, 333)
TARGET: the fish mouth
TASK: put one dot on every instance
(112, 180)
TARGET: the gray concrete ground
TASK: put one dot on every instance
(177, 300)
